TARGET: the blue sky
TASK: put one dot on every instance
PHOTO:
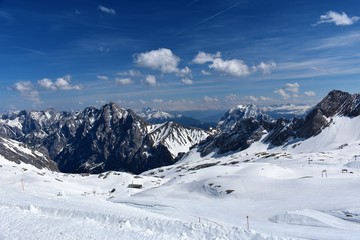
(176, 55)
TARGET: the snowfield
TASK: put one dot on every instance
(307, 190)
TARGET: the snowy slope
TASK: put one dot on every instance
(38, 204)
(304, 190)
(17, 152)
(286, 193)
(280, 191)
(340, 132)
(283, 196)
(176, 138)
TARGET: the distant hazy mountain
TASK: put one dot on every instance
(285, 111)
(157, 116)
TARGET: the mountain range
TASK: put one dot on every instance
(98, 140)
(112, 138)
(244, 125)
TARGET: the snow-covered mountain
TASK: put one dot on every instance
(113, 138)
(237, 130)
(305, 188)
(240, 113)
(244, 125)
(157, 116)
(305, 191)
(19, 153)
(336, 103)
(287, 111)
(96, 140)
(176, 138)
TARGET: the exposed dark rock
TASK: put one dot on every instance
(20, 153)
(97, 140)
(336, 103)
(242, 126)
(238, 129)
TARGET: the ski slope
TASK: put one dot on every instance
(308, 190)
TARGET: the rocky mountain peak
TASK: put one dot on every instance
(96, 140)
(241, 112)
(339, 103)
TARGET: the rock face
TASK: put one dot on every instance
(175, 137)
(113, 138)
(243, 125)
(19, 153)
(319, 117)
(97, 140)
(237, 130)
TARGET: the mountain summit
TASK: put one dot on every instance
(244, 125)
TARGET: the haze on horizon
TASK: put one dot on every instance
(176, 55)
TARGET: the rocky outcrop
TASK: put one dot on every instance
(243, 125)
(237, 130)
(336, 103)
(20, 153)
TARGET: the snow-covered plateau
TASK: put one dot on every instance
(305, 190)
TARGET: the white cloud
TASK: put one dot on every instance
(158, 100)
(262, 98)
(106, 10)
(47, 83)
(210, 99)
(33, 96)
(62, 83)
(123, 81)
(6, 15)
(282, 93)
(265, 68)
(289, 90)
(187, 81)
(310, 93)
(23, 86)
(104, 49)
(184, 72)
(292, 87)
(232, 97)
(102, 77)
(150, 80)
(257, 99)
(232, 67)
(132, 73)
(339, 19)
(253, 99)
(202, 57)
(162, 59)
(204, 72)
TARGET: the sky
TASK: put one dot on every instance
(176, 55)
